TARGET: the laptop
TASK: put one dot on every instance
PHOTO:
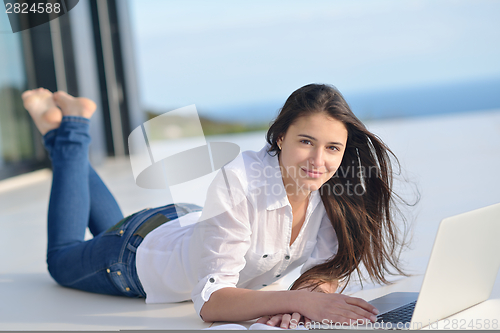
(461, 272)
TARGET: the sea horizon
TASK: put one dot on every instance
(445, 98)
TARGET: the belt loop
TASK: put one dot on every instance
(132, 248)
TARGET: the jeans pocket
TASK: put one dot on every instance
(117, 274)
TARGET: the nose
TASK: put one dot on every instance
(317, 158)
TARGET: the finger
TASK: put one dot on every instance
(362, 304)
(350, 315)
(360, 313)
(294, 321)
(285, 320)
(345, 317)
(356, 315)
(307, 321)
(274, 321)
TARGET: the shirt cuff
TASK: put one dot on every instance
(205, 288)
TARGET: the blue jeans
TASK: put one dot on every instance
(79, 199)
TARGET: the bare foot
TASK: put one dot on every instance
(74, 106)
(42, 109)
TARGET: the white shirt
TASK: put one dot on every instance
(245, 246)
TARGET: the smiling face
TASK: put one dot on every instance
(311, 152)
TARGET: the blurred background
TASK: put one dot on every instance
(239, 61)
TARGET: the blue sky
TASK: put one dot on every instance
(221, 53)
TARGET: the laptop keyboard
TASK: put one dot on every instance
(402, 314)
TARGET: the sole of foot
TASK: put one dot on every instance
(74, 106)
(42, 109)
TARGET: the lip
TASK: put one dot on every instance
(313, 174)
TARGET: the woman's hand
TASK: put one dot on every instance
(320, 302)
(285, 320)
(327, 309)
(336, 308)
(323, 303)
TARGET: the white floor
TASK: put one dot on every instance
(454, 160)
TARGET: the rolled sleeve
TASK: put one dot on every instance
(209, 284)
(326, 245)
(221, 241)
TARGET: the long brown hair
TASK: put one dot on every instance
(364, 219)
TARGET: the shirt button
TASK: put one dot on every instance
(108, 270)
(119, 273)
(121, 232)
(127, 289)
(287, 257)
(264, 256)
(212, 280)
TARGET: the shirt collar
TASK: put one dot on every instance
(275, 193)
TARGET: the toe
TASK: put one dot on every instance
(74, 106)
(62, 98)
(26, 94)
(87, 104)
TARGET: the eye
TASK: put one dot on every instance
(305, 141)
(333, 148)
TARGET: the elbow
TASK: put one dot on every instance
(205, 318)
(205, 314)
(213, 309)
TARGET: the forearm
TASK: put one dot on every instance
(236, 304)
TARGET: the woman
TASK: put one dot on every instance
(318, 194)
